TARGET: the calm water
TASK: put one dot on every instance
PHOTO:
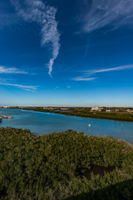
(42, 123)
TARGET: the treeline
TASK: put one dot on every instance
(66, 165)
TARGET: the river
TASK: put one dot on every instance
(43, 123)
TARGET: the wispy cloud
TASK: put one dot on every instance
(107, 12)
(8, 82)
(82, 78)
(103, 70)
(25, 87)
(87, 75)
(11, 70)
(37, 11)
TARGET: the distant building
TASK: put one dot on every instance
(48, 108)
(108, 111)
(130, 111)
(5, 106)
(98, 109)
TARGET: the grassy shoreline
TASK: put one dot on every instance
(118, 116)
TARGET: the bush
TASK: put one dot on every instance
(67, 165)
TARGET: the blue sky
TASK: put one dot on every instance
(66, 52)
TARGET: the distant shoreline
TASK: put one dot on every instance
(82, 112)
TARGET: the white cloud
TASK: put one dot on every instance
(11, 70)
(8, 82)
(87, 75)
(84, 78)
(37, 11)
(25, 87)
(107, 12)
(103, 70)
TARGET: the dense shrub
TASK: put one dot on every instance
(65, 165)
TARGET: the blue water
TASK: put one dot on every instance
(43, 123)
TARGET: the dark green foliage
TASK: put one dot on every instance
(65, 165)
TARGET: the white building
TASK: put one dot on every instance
(108, 111)
(130, 111)
(96, 109)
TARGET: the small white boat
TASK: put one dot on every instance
(89, 125)
(6, 117)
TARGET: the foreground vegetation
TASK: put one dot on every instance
(64, 166)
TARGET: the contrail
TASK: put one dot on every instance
(44, 15)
